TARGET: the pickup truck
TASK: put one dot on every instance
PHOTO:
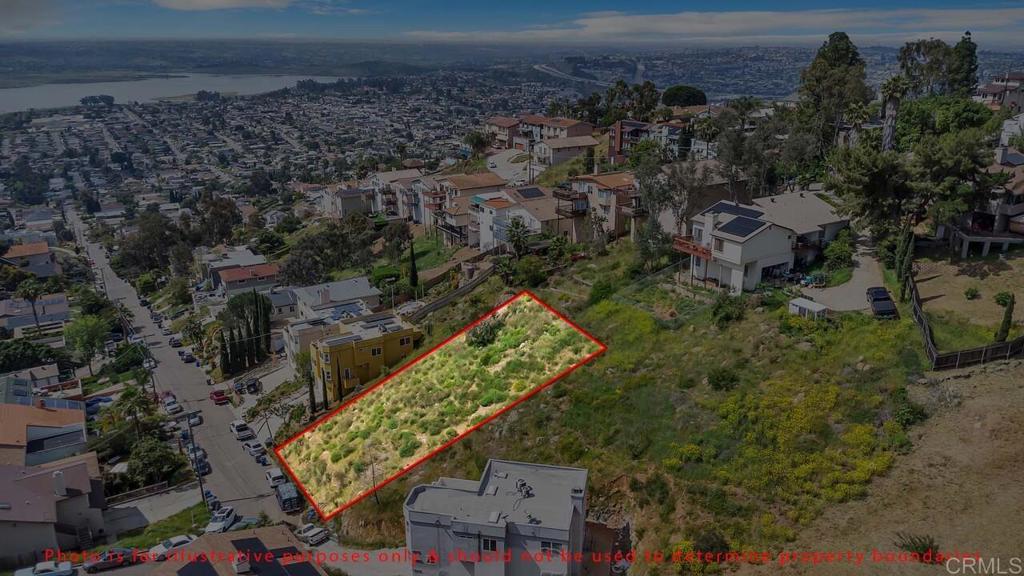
(881, 303)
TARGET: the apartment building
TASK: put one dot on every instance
(451, 218)
(608, 196)
(534, 128)
(535, 206)
(385, 194)
(317, 310)
(341, 201)
(504, 524)
(359, 352)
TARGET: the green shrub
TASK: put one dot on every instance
(485, 332)
(918, 545)
(722, 378)
(530, 271)
(727, 309)
(971, 293)
(602, 288)
(839, 252)
(905, 411)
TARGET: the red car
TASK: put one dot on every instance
(219, 397)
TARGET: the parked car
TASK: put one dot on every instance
(241, 430)
(195, 452)
(174, 343)
(253, 385)
(149, 364)
(171, 406)
(188, 358)
(221, 520)
(219, 397)
(312, 534)
(254, 448)
(201, 467)
(112, 558)
(195, 419)
(161, 550)
(275, 476)
(881, 303)
(166, 331)
(48, 569)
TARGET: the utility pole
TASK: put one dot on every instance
(195, 466)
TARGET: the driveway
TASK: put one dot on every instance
(513, 171)
(236, 477)
(867, 272)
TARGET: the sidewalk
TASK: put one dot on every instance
(144, 511)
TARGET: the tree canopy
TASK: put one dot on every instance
(682, 95)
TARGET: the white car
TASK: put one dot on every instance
(241, 430)
(149, 364)
(312, 534)
(171, 406)
(48, 569)
(275, 477)
(195, 419)
(221, 520)
(254, 448)
(195, 452)
(161, 550)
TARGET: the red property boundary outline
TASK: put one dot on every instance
(409, 467)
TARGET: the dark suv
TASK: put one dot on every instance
(881, 303)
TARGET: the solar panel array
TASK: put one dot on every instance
(729, 208)
(741, 226)
(533, 192)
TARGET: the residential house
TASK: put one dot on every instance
(625, 134)
(558, 150)
(534, 128)
(452, 217)
(340, 201)
(51, 309)
(57, 506)
(740, 245)
(320, 308)
(1003, 93)
(219, 258)
(258, 277)
(535, 206)
(608, 196)
(998, 221)
(301, 333)
(283, 304)
(36, 258)
(34, 435)
(313, 299)
(385, 197)
(360, 351)
(509, 521)
(503, 131)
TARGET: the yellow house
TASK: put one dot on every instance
(360, 350)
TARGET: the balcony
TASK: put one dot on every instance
(687, 245)
(571, 211)
(455, 231)
(568, 194)
(634, 208)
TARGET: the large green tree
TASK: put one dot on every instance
(963, 66)
(682, 95)
(833, 81)
(86, 335)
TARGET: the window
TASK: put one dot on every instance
(325, 357)
(489, 545)
(376, 351)
(404, 341)
(698, 234)
(348, 373)
(327, 375)
(719, 245)
(552, 547)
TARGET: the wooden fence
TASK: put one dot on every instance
(959, 358)
(480, 278)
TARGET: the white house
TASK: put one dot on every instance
(504, 524)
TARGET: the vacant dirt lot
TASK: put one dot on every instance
(942, 284)
(961, 484)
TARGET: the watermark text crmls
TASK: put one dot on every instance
(1011, 566)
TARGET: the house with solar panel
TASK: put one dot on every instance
(507, 523)
(738, 246)
(490, 215)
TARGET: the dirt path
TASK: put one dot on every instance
(963, 483)
(867, 272)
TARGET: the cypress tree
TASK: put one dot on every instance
(225, 355)
(414, 276)
(1004, 326)
(908, 270)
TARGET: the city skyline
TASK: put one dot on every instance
(869, 22)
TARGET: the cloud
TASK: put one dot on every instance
(991, 25)
(195, 5)
(20, 16)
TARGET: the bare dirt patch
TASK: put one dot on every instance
(942, 283)
(962, 482)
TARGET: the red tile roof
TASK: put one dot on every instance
(31, 249)
(249, 272)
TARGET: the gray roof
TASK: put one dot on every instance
(340, 291)
(802, 212)
(279, 298)
(496, 498)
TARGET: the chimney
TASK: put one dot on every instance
(325, 296)
(712, 220)
(59, 487)
(1001, 154)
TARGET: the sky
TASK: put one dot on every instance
(994, 25)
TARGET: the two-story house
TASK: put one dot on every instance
(608, 195)
(518, 519)
(534, 128)
(452, 217)
(999, 220)
(35, 257)
(625, 134)
(385, 198)
(258, 277)
(503, 130)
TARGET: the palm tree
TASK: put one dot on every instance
(132, 405)
(856, 116)
(893, 91)
(518, 236)
(30, 290)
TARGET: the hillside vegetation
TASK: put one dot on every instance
(472, 377)
(751, 429)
